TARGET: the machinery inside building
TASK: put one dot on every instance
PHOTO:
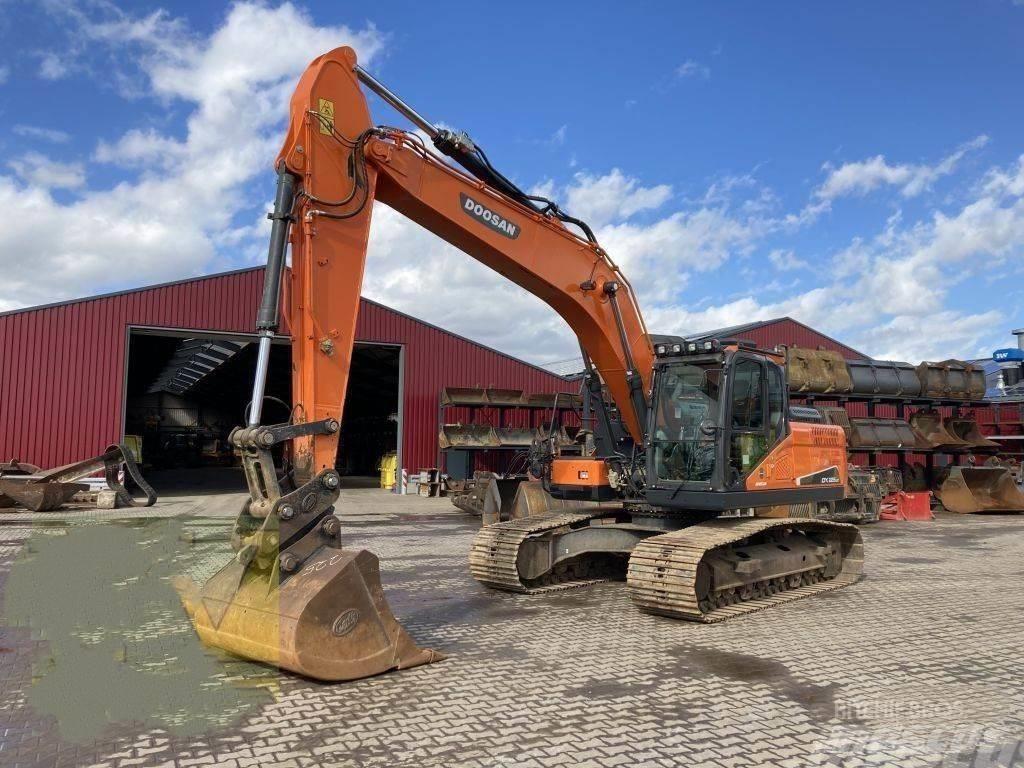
(185, 393)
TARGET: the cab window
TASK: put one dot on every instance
(776, 404)
(687, 398)
(747, 406)
(748, 442)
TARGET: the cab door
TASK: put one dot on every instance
(755, 415)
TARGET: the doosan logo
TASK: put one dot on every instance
(494, 220)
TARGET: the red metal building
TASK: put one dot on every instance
(65, 368)
(69, 369)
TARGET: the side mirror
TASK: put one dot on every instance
(708, 428)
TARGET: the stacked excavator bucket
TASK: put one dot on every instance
(477, 397)
(468, 436)
(948, 433)
(951, 378)
(486, 436)
(884, 377)
(969, 431)
(871, 433)
(819, 370)
(968, 490)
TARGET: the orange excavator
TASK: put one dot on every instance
(684, 482)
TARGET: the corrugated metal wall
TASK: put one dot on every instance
(62, 366)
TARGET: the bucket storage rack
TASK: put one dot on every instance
(898, 408)
(487, 420)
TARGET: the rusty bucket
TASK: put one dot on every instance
(471, 396)
(328, 621)
(468, 436)
(967, 490)
(531, 500)
(505, 397)
(515, 437)
(969, 431)
(932, 432)
(820, 371)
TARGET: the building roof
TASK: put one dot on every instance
(738, 331)
(244, 270)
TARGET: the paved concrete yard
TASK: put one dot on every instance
(917, 665)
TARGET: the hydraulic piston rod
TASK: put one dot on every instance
(269, 316)
(389, 96)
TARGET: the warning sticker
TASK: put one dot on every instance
(326, 118)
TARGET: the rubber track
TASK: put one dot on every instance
(662, 569)
(492, 558)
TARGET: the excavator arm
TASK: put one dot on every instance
(340, 165)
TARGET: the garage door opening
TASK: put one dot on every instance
(185, 392)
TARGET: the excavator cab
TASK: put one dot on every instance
(718, 412)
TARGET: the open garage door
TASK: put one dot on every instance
(186, 391)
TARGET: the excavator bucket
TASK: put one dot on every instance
(468, 436)
(504, 397)
(38, 497)
(521, 437)
(489, 496)
(969, 431)
(531, 500)
(471, 396)
(43, 490)
(328, 621)
(932, 431)
(967, 490)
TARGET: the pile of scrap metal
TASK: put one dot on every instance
(824, 372)
(40, 490)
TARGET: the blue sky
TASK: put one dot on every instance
(856, 167)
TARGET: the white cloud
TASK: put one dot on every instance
(51, 135)
(785, 260)
(895, 295)
(37, 170)
(138, 148)
(5, 74)
(691, 68)
(169, 221)
(859, 178)
(612, 197)
(52, 67)
(557, 138)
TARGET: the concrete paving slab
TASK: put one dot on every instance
(917, 665)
